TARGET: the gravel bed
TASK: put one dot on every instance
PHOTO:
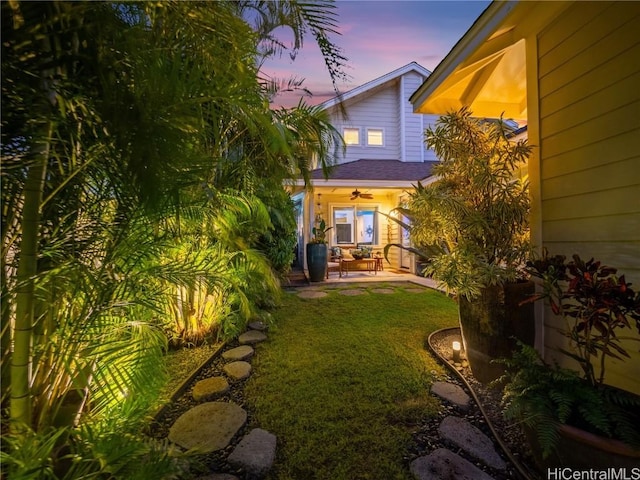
(214, 461)
(510, 434)
(425, 435)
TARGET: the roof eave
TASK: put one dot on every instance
(364, 183)
(479, 32)
(413, 66)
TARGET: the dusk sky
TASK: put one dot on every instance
(378, 37)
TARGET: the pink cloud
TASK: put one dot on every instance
(378, 37)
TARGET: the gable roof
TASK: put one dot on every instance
(377, 170)
(366, 87)
(486, 69)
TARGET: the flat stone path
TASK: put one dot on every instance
(442, 463)
(208, 426)
(243, 352)
(312, 294)
(255, 453)
(459, 432)
(238, 370)
(384, 290)
(210, 388)
(211, 426)
(352, 292)
(452, 394)
(258, 325)
(251, 337)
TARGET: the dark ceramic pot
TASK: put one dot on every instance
(317, 261)
(489, 324)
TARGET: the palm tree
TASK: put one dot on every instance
(116, 121)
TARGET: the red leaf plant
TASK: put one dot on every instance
(595, 304)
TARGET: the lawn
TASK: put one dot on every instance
(343, 380)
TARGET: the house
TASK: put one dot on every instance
(385, 156)
(571, 71)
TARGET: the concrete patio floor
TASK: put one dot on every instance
(387, 275)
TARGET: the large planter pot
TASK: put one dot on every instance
(489, 324)
(581, 450)
(317, 261)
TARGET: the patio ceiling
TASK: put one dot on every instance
(496, 83)
(486, 70)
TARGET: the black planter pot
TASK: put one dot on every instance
(317, 261)
(489, 324)
(581, 450)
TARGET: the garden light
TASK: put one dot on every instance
(456, 351)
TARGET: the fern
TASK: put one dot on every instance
(545, 396)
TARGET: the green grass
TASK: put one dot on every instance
(342, 381)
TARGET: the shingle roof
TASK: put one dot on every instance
(378, 170)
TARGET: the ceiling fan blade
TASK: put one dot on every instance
(354, 197)
(367, 196)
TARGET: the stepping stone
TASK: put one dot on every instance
(383, 290)
(210, 388)
(352, 292)
(443, 464)
(219, 476)
(243, 352)
(461, 433)
(208, 427)
(451, 393)
(312, 294)
(255, 453)
(251, 337)
(237, 370)
(260, 326)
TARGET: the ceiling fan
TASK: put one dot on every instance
(356, 193)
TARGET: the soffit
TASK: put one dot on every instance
(486, 70)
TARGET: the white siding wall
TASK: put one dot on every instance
(388, 108)
(378, 110)
(415, 124)
(589, 84)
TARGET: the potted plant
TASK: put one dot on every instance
(572, 417)
(472, 226)
(317, 252)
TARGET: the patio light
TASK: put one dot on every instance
(456, 351)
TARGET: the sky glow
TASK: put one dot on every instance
(377, 37)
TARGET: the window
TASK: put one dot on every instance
(351, 136)
(375, 137)
(356, 225)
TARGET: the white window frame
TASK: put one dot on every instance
(381, 130)
(351, 129)
(354, 233)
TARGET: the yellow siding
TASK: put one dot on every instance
(589, 87)
(592, 82)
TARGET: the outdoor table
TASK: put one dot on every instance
(349, 264)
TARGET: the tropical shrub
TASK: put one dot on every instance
(116, 117)
(279, 242)
(472, 223)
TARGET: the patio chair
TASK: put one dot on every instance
(334, 264)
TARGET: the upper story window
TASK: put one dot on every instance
(351, 136)
(375, 137)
